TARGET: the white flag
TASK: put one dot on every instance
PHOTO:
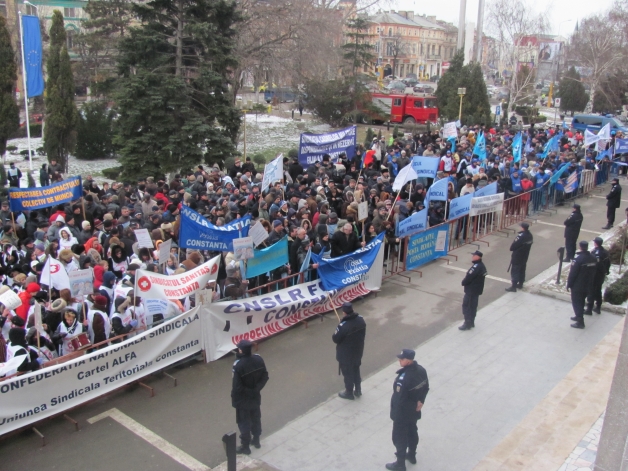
(273, 172)
(54, 275)
(590, 138)
(407, 174)
(605, 132)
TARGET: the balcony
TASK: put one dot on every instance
(433, 57)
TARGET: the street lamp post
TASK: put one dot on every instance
(28, 130)
(461, 93)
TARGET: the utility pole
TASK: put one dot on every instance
(479, 31)
(461, 23)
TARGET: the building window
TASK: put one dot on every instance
(390, 32)
(390, 49)
(3, 8)
(69, 12)
(29, 10)
(69, 34)
(439, 50)
(433, 49)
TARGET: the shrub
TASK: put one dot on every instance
(259, 159)
(229, 161)
(259, 108)
(614, 253)
(3, 176)
(395, 131)
(368, 140)
(112, 172)
(11, 148)
(292, 153)
(21, 132)
(95, 132)
(617, 292)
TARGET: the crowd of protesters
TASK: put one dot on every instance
(315, 208)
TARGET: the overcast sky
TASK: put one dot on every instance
(558, 10)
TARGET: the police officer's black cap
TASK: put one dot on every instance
(576, 206)
(525, 225)
(347, 308)
(406, 354)
(584, 245)
(598, 240)
(616, 179)
(478, 253)
(244, 344)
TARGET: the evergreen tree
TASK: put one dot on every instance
(61, 114)
(95, 131)
(9, 112)
(98, 44)
(357, 51)
(174, 110)
(475, 104)
(573, 96)
(447, 91)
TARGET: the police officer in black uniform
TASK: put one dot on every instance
(249, 378)
(572, 231)
(409, 391)
(349, 340)
(601, 270)
(520, 249)
(473, 284)
(580, 282)
(613, 201)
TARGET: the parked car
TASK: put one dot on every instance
(423, 89)
(410, 82)
(396, 86)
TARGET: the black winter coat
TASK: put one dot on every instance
(342, 245)
(614, 197)
(582, 272)
(249, 378)
(520, 248)
(572, 225)
(603, 263)
(410, 387)
(473, 282)
(349, 339)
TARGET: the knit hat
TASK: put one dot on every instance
(100, 300)
(33, 288)
(231, 269)
(107, 217)
(60, 218)
(86, 225)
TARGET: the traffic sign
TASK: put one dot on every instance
(498, 110)
(556, 102)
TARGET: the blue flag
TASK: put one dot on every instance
(529, 147)
(267, 259)
(453, 144)
(32, 54)
(517, 144)
(603, 154)
(413, 224)
(196, 232)
(437, 192)
(488, 190)
(425, 166)
(557, 174)
(480, 147)
(336, 273)
(306, 261)
(460, 206)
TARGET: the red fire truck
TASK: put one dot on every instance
(407, 109)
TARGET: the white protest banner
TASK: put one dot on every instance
(449, 130)
(406, 174)
(143, 239)
(54, 275)
(273, 172)
(37, 317)
(10, 300)
(46, 392)
(151, 285)
(258, 233)
(262, 316)
(486, 204)
(590, 138)
(81, 282)
(243, 248)
(363, 211)
(164, 251)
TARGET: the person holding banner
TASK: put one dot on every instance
(17, 346)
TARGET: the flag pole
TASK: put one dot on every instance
(28, 127)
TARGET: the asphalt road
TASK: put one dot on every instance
(301, 362)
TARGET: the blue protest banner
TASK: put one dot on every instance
(459, 207)
(558, 173)
(45, 196)
(427, 246)
(336, 273)
(488, 190)
(267, 259)
(621, 146)
(312, 147)
(198, 233)
(33, 55)
(480, 147)
(437, 192)
(425, 167)
(413, 224)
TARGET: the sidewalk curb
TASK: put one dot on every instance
(563, 297)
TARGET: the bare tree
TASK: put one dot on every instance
(599, 46)
(510, 22)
